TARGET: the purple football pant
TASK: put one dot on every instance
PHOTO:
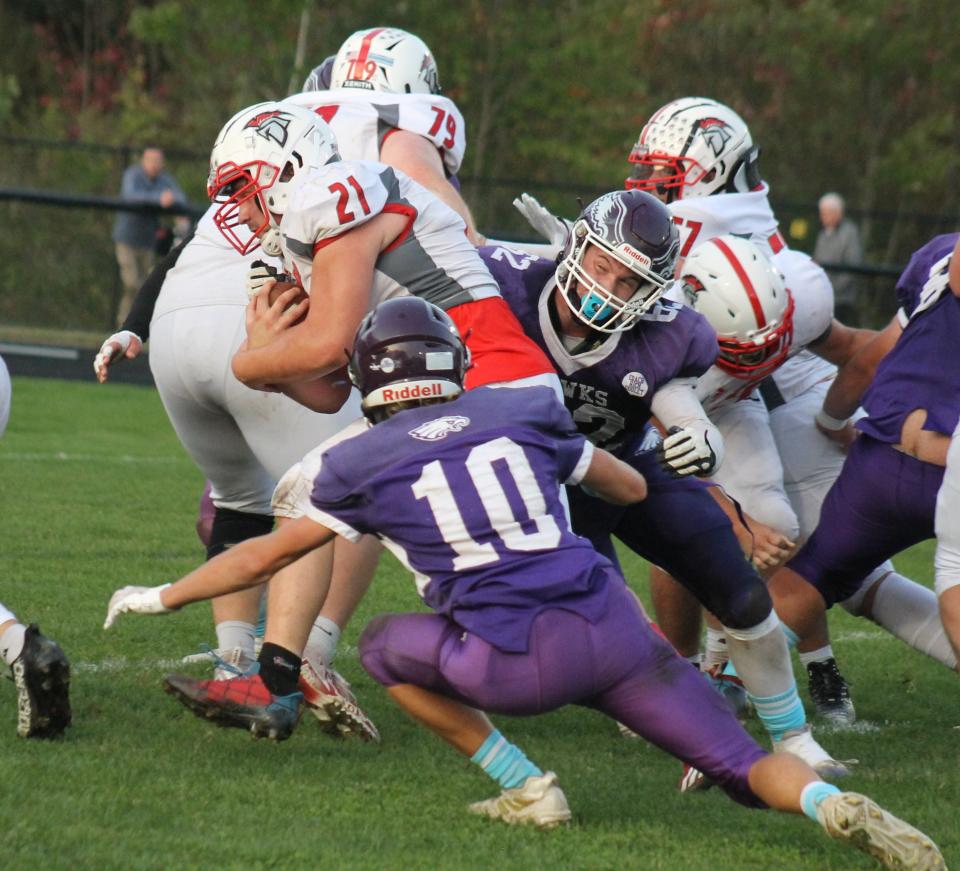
(882, 503)
(618, 665)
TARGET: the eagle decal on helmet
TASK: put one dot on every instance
(272, 126)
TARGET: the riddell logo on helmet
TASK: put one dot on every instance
(411, 391)
(633, 254)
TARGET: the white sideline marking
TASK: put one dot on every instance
(87, 458)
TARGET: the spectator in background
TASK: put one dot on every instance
(838, 242)
(135, 234)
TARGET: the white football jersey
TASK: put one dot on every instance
(749, 215)
(431, 258)
(208, 271)
(362, 120)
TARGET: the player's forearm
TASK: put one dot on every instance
(326, 395)
(841, 343)
(289, 359)
(613, 480)
(238, 568)
(854, 377)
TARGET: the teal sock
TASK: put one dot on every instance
(813, 794)
(780, 713)
(504, 762)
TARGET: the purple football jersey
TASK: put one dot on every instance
(922, 369)
(467, 495)
(607, 388)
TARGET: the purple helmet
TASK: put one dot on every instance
(319, 78)
(406, 349)
(636, 229)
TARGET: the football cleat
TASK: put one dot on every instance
(800, 742)
(243, 702)
(830, 693)
(731, 688)
(41, 674)
(849, 816)
(626, 731)
(694, 780)
(331, 701)
(539, 802)
(228, 663)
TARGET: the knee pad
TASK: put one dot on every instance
(747, 608)
(231, 527)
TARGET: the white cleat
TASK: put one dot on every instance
(539, 802)
(331, 701)
(800, 742)
(849, 816)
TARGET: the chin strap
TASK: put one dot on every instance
(270, 243)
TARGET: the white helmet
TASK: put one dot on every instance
(732, 283)
(386, 59)
(261, 152)
(694, 147)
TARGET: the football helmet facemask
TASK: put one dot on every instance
(635, 229)
(406, 350)
(741, 293)
(261, 153)
(694, 147)
(386, 59)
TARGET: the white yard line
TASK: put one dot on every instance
(121, 663)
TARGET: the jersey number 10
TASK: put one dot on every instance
(434, 486)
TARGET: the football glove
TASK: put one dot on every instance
(135, 600)
(686, 451)
(117, 346)
(258, 274)
(548, 225)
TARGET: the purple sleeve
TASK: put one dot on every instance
(574, 452)
(336, 506)
(702, 350)
(911, 283)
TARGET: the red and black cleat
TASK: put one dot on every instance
(243, 702)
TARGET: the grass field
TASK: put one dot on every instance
(96, 493)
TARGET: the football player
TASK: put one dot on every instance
(624, 354)
(41, 672)
(465, 487)
(245, 440)
(698, 156)
(350, 232)
(885, 497)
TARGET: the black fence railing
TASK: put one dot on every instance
(58, 229)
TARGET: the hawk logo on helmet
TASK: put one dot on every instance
(271, 126)
(716, 134)
(434, 430)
